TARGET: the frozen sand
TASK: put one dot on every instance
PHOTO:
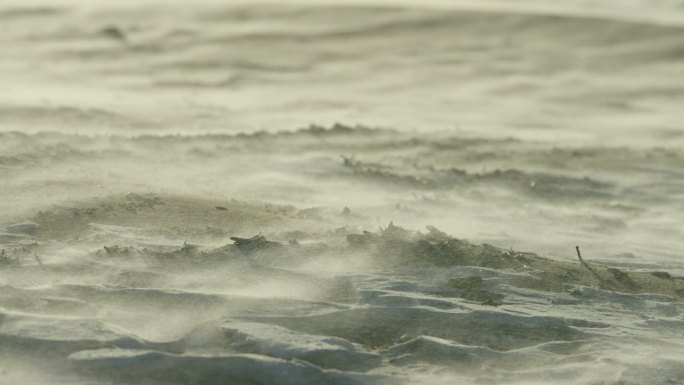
(136, 140)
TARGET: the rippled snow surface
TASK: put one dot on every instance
(136, 140)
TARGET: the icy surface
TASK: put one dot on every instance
(179, 204)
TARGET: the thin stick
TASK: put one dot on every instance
(579, 255)
(35, 255)
(587, 266)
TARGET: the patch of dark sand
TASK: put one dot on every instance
(173, 216)
(395, 246)
(399, 246)
(471, 288)
(541, 185)
(17, 255)
(198, 220)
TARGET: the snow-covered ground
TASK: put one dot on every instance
(135, 140)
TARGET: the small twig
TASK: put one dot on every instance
(588, 267)
(579, 255)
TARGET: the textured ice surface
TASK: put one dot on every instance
(275, 341)
(137, 139)
(140, 365)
